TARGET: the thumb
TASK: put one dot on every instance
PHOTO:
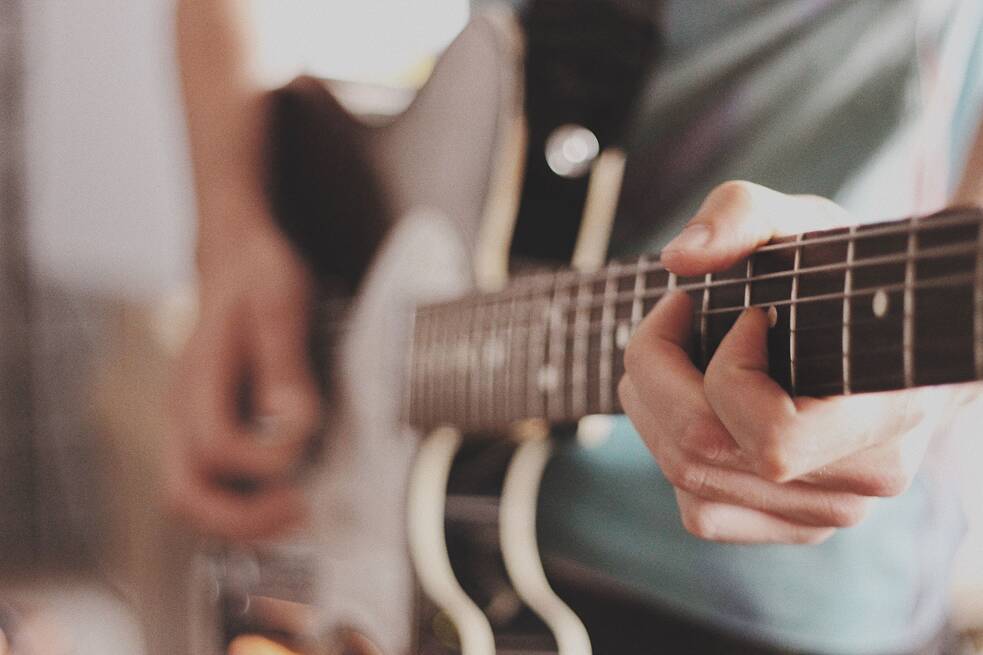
(738, 217)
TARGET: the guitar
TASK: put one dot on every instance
(440, 350)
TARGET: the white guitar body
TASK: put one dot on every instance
(359, 495)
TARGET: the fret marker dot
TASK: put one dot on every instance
(548, 378)
(772, 316)
(623, 335)
(494, 354)
(880, 303)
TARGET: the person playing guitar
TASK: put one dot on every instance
(744, 461)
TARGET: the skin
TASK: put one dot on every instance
(754, 467)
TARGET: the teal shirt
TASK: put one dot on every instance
(805, 96)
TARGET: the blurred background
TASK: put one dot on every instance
(96, 229)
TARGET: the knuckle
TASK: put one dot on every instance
(846, 512)
(772, 455)
(702, 438)
(634, 353)
(773, 462)
(734, 195)
(626, 396)
(688, 476)
(772, 465)
(885, 482)
(699, 521)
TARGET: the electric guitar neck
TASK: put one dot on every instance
(868, 308)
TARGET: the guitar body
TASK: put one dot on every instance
(359, 492)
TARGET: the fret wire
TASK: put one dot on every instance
(507, 364)
(429, 393)
(847, 290)
(978, 305)
(474, 380)
(892, 228)
(939, 344)
(936, 345)
(430, 372)
(952, 250)
(793, 314)
(548, 372)
(578, 371)
(416, 366)
(907, 332)
(523, 403)
(430, 361)
(636, 305)
(537, 359)
(705, 320)
(449, 364)
(597, 327)
(836, 296)
(464, 358)
(556, 380)
(605, 365)
(869, 233)
(928, 253)
(748, 274)
(490, 349)
(645, 264)
(866, 291)
(518, 357)
(433, 364)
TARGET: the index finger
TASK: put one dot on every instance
(670, 387)
(790, 437)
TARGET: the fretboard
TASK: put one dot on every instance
(868, 308)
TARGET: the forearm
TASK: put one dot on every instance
(225, 117)
(970, 191)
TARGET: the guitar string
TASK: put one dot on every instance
(546, 292)
(835, 387)
(653, 264)
(595, 327)
(595, 382)
(881, 382)
(937, 344)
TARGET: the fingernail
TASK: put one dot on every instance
(692, 238)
